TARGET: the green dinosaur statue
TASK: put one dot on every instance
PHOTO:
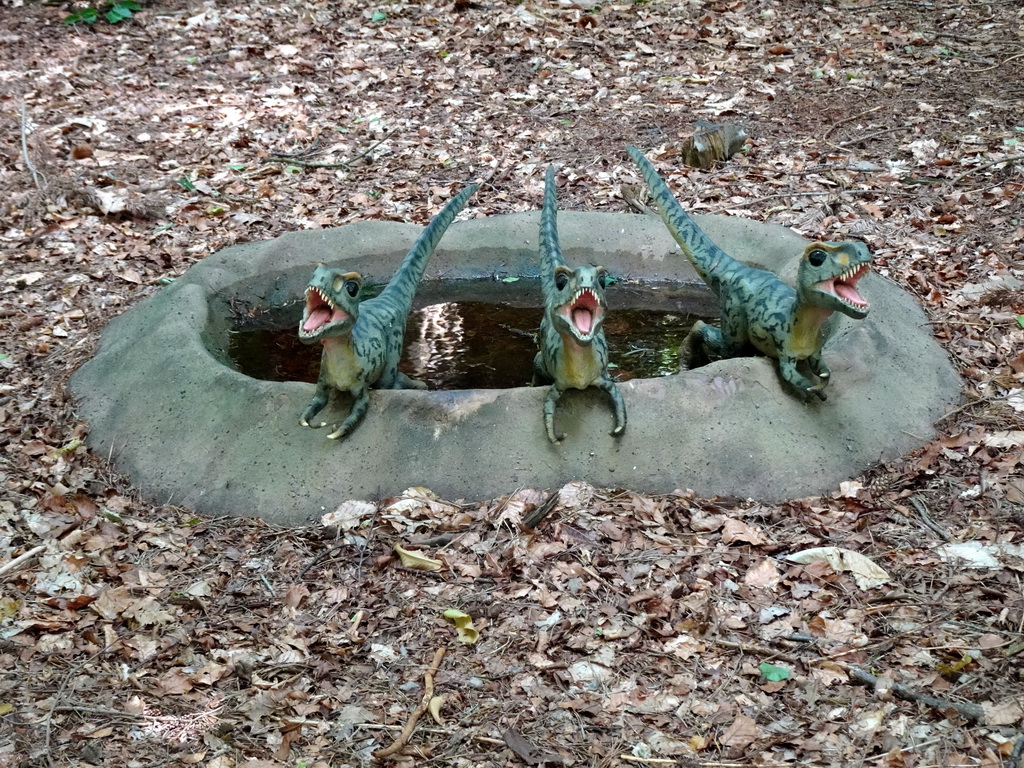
(758, 309)
(573, 351)
(363, 340)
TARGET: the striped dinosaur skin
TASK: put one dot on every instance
(758, 309)
(363, 340)
(573, 352)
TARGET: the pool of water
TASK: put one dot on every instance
(472, 345)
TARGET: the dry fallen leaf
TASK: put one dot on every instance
(434, 708)
(463, 624)
(348, 515)
(865, 572)
(764, 575)
(740, 734)
(737, 530)
(417, 560)
(1005, 712)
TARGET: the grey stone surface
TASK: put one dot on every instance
(190, 430)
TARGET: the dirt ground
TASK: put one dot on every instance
(624, 629)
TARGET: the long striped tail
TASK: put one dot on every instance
(708, 259)
(403, 285)
(550, 252)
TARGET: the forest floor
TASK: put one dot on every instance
(627, 629)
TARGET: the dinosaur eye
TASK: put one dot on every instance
(561, 280)
(817, 258)
(352, 288)
(602, 279)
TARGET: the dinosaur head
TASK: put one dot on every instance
(332, 304)
(579, 304)
(829, 273)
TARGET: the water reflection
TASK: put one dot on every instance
(474, 345)
(471, 345)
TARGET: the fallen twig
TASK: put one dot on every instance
(340, 164)
(850, 119)
(969, 711)
(428, 693)
(535, 518)
(21, 559)
(998, 64)
(54, 702)
(975, 168)
(922, 510)
(972, 403)
(835, 191)
(36, 175)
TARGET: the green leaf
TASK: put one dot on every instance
(118, 13)
(378, 16)
(773, 674)
(83, 16)
(1020, 320)
(185, 182)
(236, 166)
(510, 279)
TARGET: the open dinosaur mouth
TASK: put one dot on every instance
(583, 312)
(844, 287)
(320, 312)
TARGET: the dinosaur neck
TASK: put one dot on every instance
(808, 326)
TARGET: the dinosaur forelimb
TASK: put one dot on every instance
(803, 385)
(554, 393)
(359, 405)
(320, 398)
(820, 369)
(608, 385)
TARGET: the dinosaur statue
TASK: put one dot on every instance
(573, 351)
(758, 309)
(363, 340)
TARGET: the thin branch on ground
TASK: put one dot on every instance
(997, 65)
(975, 168)
(836, 191)
(36, 175)
(537, 516)
(850, 119)
(922, 510)
(964, 406)
(410, 726)
(21, 559)
(54, 703)
(969, 711)
(339, 164)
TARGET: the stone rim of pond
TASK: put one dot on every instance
(189, 430)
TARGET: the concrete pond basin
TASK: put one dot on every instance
(164, 401)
